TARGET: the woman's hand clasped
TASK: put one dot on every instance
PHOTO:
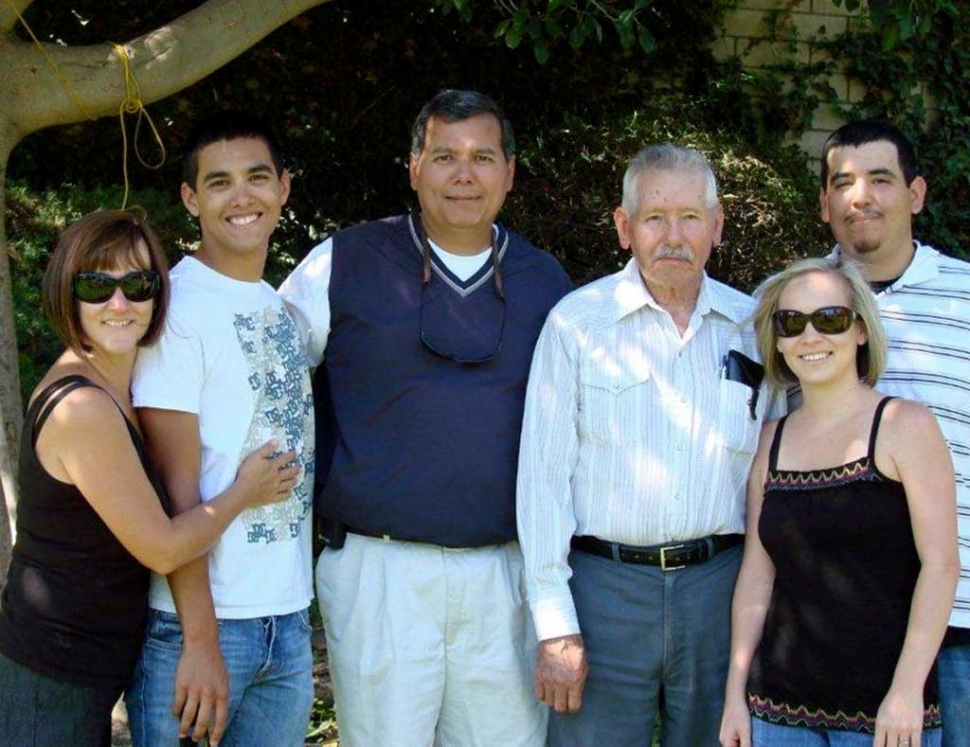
(264, 478)
(736, 724)
(899, 721)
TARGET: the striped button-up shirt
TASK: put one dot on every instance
(926, 315)
(632, 433)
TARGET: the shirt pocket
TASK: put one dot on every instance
(612, 404)
(737, 430)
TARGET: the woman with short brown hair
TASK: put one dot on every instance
(92, 517)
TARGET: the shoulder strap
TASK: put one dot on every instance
(874, 431)
(50, 397)
(45, 402)
(776, 445)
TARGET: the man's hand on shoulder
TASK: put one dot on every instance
(561, 673)
(201, 692)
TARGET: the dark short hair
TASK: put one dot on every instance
(453, 105)
(226, 125)
(100, 241)
(865, 131)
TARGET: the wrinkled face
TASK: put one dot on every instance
(673, 230)
(812, 356)
(117, 325)
(461, 178)
(237, 198)
(867, 202)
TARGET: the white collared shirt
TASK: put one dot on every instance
(631, 433)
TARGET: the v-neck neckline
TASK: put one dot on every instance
(482, 276)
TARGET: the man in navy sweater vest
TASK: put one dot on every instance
(422, 328)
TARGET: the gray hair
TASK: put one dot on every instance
(666, 157)
(453, 105)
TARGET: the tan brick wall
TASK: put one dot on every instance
(800, 22)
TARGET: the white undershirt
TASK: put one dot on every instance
(462, 266)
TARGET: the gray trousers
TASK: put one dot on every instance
(652, 638)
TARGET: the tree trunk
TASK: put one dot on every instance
(163, 61)
(11, 411)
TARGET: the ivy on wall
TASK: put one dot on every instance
(902, 20)
(918, 76)
(907, 61)
(923, 85)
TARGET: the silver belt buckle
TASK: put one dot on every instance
(663, 559)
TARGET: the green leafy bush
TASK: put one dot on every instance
(572, 182)
(924, 86)
(342, 85)
(569, 181)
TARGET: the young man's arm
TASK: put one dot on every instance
(201, 681)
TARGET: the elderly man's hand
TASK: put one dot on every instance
(561, 673)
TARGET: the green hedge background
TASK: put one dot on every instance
(342, 84)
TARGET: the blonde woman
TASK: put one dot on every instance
(850, 558)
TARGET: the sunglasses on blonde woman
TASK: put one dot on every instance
(98, 287)
(829, 320)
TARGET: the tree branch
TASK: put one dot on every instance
(164, 61)
(8, 19)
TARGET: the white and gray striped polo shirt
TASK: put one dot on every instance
(926, 314)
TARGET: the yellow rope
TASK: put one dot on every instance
(50, 61)
(132, 104)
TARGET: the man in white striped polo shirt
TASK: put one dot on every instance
(870, 192)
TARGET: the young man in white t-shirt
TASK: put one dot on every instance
(227, 649)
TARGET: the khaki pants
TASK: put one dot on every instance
(429, 645)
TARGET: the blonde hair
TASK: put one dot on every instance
(871, 356)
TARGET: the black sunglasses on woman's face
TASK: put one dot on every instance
(98, 287)
(829, 320)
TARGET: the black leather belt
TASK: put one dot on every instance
(668, 557)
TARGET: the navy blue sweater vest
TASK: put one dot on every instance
(412, 444)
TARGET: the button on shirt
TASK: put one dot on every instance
(631, 432)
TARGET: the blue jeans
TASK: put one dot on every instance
(650, 637)
(270, 667)
(766, 734)
(953, 668)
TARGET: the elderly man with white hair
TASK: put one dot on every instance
(642, 417)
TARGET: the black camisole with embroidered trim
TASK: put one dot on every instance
(76, 600)
(846, 565)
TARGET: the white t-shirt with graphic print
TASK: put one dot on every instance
(230, 354)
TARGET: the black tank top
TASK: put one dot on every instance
(846, 566)
(75, 602)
